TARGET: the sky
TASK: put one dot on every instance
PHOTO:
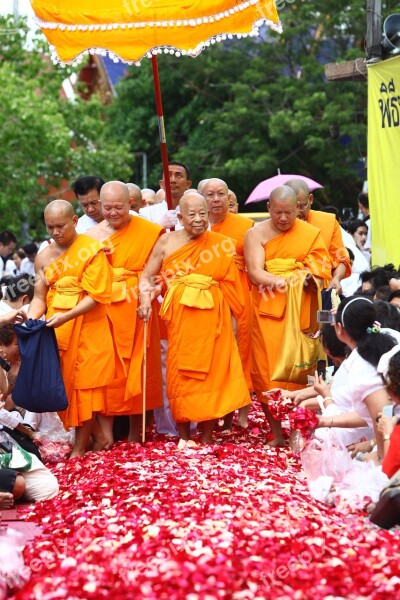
(24, 6)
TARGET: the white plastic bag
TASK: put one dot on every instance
(333, 476)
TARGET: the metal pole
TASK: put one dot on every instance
(374, 29)
(163, 139)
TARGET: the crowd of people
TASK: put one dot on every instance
(188, 312)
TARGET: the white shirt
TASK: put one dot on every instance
(27, 266)
(85, 223)
(352, 283)
(154, 212)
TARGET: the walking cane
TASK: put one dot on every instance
(144, 384)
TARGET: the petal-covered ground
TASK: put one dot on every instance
(231, 521)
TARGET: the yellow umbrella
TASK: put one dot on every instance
(132, 29)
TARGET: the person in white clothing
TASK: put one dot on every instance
(87, 190)
(357, 327)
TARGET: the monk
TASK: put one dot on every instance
(234, 226)
(330, 231)
(205, 379)
(280, 253)
(130, 240)
(233, 203)
(73, 287)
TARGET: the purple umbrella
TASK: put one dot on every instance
(263, 190)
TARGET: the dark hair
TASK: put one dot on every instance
(84, 185)
(379, 276)
(331, 209)
(6, 237)
(7, 334)
(30, 248)
(363, 199)
(387, 314)
(20, 253)
(360, 315)
(330, 340)
(21, 285)
(178, 164)
(354, 225)
(393, 375)
(370, 294)
(383, 292)
(395, 294)
(351, 253)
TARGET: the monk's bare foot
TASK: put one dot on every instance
(243, 414)
(277, 442)
(206, 440)
(134, 439)
(228, 421)
(6, 500)
(102, 443)
(77, 452)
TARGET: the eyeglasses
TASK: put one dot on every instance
(303, 206)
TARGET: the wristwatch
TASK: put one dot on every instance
(386, 437)
(4, 364)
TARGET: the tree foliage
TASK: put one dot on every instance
(247, 107)
(46, 141)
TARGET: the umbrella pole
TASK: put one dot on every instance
(161, 127)
(144, 383)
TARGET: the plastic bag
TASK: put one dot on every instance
(13, 573)
(335, 478)
(12, 456)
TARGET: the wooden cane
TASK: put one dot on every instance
(144, 384)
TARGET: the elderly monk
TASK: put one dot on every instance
(204, 375)
(283, 255)
(330, 231)
(73, 284)
(233, 203)
(130, 241)
(234, 226)
(135, 198)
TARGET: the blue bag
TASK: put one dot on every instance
(39, 387)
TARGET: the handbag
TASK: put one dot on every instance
(386, 513)
(299, 353)
(12, 456)
(39, 386)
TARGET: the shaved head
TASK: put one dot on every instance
(201, 185)
(135, 196)
(214, 181)
(115, 190)
(298, 185)
(61, 207)
(283, 193)
(191, 197)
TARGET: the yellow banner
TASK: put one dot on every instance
(384, 160)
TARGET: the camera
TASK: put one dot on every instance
(325, 316)
(321, 368)
(4, 364)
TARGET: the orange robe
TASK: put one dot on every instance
(332, 236)
(304, 244)
(85, 343)
(235, 227)
(129, 249)
(204, 374)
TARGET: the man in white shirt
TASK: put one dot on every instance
(179, 177)
(87, 190)
(28, 263)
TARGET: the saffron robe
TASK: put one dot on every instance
(129, 249)
(85, 343)
(235, 227)
(304, 247)
(204, 374)
(332, 236)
